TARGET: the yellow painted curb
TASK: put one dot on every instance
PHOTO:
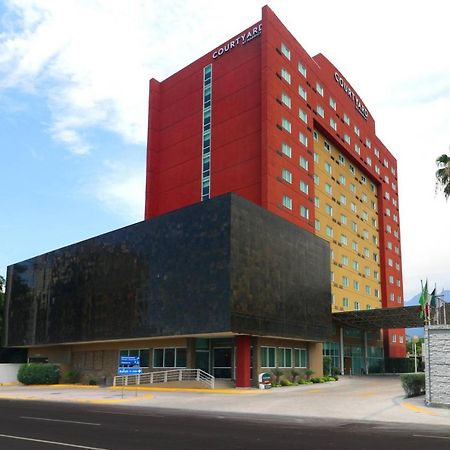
(208, 391)
(72, 386)
(418, 409)
(78, 400)
(12, 383)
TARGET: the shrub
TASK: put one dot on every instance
(294, 374)
(335, 372)
(93, 383)
(316, 380)
(413, 383)
(285, 382)
(38, 373)
(71, 376)
(277, 373)
(308, 373)
(302, 381)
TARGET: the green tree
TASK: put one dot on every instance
(443, 175)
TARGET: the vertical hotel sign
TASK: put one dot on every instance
(242, 39)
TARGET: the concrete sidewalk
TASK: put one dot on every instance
(351, 398)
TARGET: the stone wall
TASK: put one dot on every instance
(437, 365)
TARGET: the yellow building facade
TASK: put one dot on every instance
(346, 216)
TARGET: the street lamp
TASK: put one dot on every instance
(415, 340)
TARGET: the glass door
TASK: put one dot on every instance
(222, 359)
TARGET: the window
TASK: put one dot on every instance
(267, 356)
(302, 115)
(369, 161)
(356, 306)
(356, 285)
(304, 187)
(286, 175)
(342, 179)
(347, 138)
(355, 265)
(352, 188)
(302, 92)
(351, 168)
(303, 139)
(304, 163)
(356, 130)
(344, 260)
(368, 143)
(302, 69)
(354, 246)
(286, 125)
(343, 199)
(316, 157)
(300, 357)
(345, 281)
(346, 119)
(286, 76)
(329, 210)
(327, 167)
(286, 150)
(343, 219)
(143, 354)
(333, 124)
(206, 144)
(329, 231)
(394, 338)
(326, 146)
(367, 271)
(316, 136)
(320, 111)
(304, 212)
(284, 357)
(363, 179)
(333, 103)
(345, 302)
(317, 202)
(169, 357)
(316, 180)
(353, 207)
(367, 289)
(354, 227)
(357, 149)
(328, 189)
(343, 239)
(400, 339)
(317, 224)
(319, 89)
(287, 202)
(285, 51)
(286, 100)
(366, 252)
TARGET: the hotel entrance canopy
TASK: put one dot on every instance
(385, 318)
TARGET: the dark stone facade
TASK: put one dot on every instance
(218, 266)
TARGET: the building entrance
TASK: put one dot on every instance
(222, 362)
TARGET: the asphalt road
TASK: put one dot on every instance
(44, 425)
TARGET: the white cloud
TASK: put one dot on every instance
(91, 62)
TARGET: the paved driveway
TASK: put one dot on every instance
(351, 398)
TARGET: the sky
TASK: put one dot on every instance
(74, 96)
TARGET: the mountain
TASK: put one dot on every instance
(410, 332)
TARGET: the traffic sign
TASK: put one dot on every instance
(129, 371)
(130, 360)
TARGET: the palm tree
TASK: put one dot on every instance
(443, 175)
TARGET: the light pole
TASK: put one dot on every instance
(415, 339)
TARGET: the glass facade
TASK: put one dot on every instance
(206, 143)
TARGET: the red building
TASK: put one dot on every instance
(248, 117)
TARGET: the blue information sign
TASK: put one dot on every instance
(130, 360)
(129, 371)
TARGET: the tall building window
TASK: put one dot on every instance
(286, 149)
(304, 212)
(302, 69)
(302, 115)
(286, 175)
(268, 356)
(286, 76)
(287, 202)
(303, 139)
(302, 92)
(286, 100)
(333, 103)
(304, 187)
(286, 125)
(333, 124)
(304, 163)
(285, 51)
(320, 111)
(319, 89)
(346, 119)
(206, 143)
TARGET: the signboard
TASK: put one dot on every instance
(129, 371)
(265, 380)
(130, 360)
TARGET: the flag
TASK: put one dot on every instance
(433, 298)
(423, 300)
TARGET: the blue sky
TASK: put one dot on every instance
(73, 106)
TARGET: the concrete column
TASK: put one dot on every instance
(341, 348)
(190, 356)
(315, 355)
(366, 354)
(243, 361)
(256, 360)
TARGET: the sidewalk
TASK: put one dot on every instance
(378, 399)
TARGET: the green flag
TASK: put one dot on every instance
(423, 298)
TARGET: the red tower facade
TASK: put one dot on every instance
(233, 120)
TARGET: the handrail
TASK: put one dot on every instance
(165, 376)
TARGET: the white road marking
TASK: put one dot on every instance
(60, 420)
(64, 444)
(432, 437)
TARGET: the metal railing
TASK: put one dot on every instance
(165, 376)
